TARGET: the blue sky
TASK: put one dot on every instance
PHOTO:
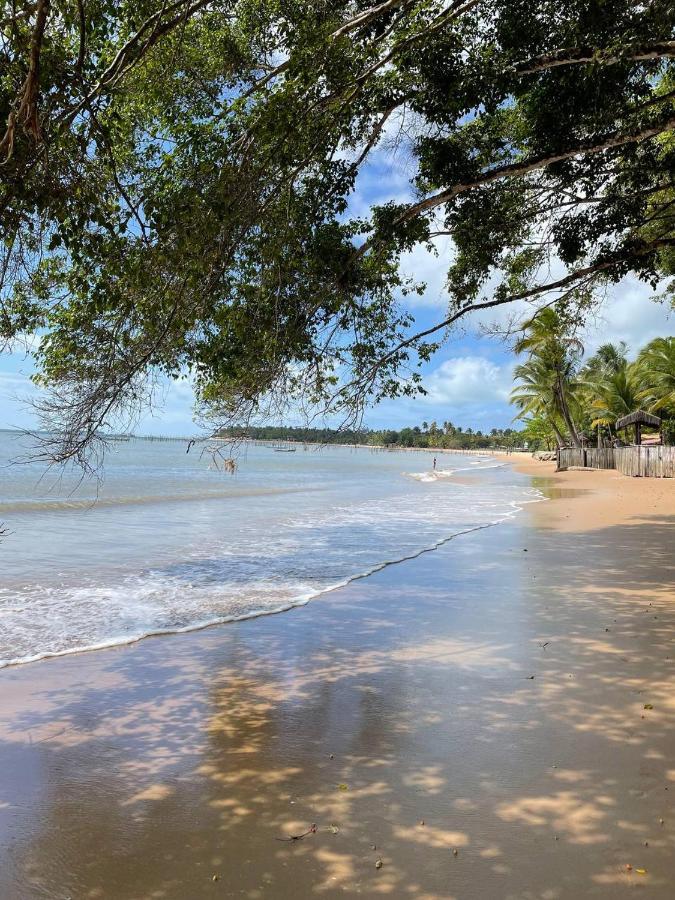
(468, 381)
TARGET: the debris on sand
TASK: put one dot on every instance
(299, 837)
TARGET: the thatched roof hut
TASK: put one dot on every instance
(638, 419)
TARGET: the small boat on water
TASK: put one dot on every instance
(284, 449)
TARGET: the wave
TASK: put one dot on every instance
(48, 505)
(434, 475)
(299, 600)
(489, 466)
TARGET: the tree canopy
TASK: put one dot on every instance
(178, 184)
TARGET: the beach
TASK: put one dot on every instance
(492, 720)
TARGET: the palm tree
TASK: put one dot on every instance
(557, 355)
(616, 395)
(608, 360)
(656, 372)
(533, 391)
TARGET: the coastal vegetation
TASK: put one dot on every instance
(183, 189)
(429, 435)
(563, 398)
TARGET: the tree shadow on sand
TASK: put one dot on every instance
(482, 701)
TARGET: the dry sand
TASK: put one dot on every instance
(510, 697)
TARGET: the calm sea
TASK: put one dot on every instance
(168, 543)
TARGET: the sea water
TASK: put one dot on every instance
(167, 541)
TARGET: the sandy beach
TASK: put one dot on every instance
(493, 720)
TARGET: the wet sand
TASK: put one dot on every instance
(488, 698)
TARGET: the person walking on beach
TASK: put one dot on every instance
(434, 463)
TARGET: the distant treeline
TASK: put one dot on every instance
(431, 435)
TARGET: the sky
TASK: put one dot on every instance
(467, 382)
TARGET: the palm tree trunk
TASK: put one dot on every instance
(565, 412)
(556, 430)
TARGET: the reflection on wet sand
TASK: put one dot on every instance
(486, 723)
(553, 491)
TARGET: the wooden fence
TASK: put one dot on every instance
(590, 457)
(645, 462)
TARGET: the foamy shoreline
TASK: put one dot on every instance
(325, 523)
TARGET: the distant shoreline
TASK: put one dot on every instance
(482, 451)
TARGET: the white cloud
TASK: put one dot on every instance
(629, 314)
(466, 381)
(432, 269)
(11, 382)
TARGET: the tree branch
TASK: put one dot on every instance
(366, 16)
(154, 28)
(574, 56)
(27, 112)
(607, 142)
(569, 280)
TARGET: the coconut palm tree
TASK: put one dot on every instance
(615, 395)
(535, 386)
(656, 372)
(608, 360)
(557, 353)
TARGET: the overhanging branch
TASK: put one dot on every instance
(511, 170)
(574, 278)
(574, 56)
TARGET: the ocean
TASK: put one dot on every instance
(166, 542)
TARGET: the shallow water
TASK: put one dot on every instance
(168, 543)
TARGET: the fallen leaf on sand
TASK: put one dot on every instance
(641, 871)
(648, 706)
(343, 787)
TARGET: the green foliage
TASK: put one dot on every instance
(538, 433)
(177, 181)
(406, 438)
(656, 373)
(616, 394)
(668, 432)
